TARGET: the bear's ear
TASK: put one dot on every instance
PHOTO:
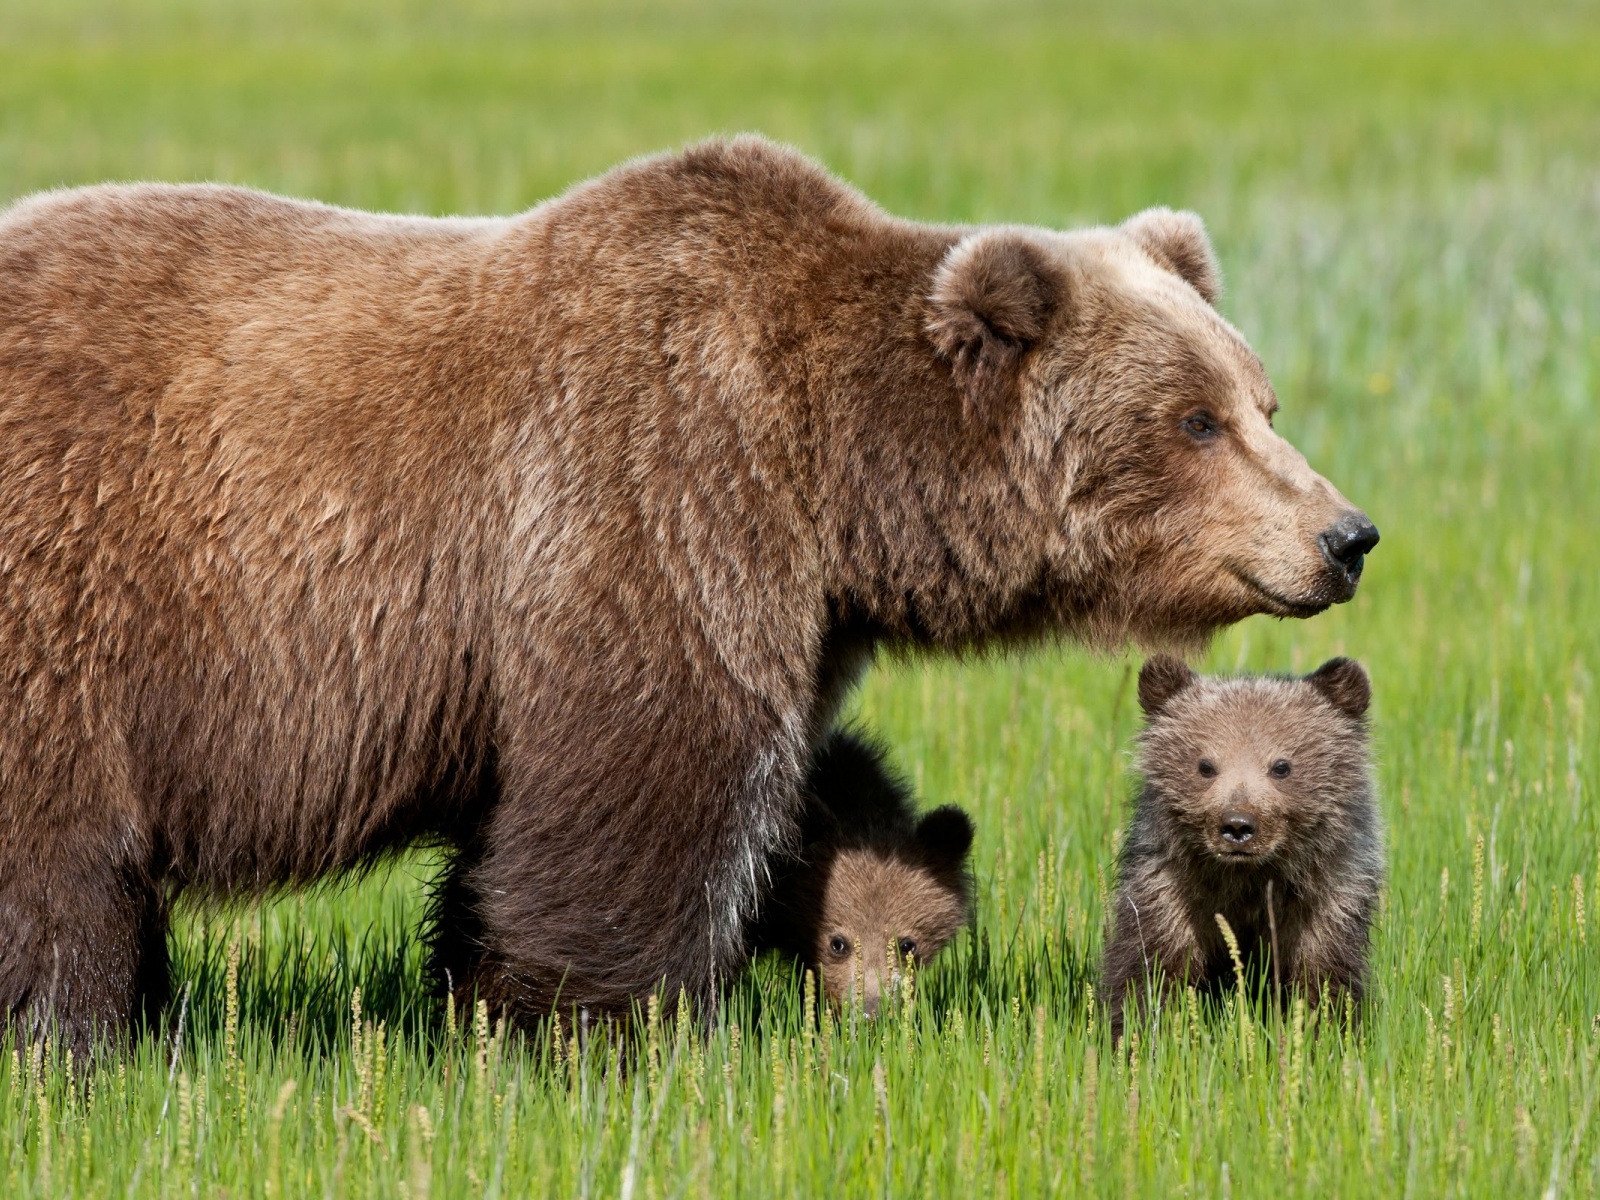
(1178, 242)
(1160, 679)
(945, 836)
(1344, 684)
(992, 298)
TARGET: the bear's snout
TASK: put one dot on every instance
(1237, 828)
(1346, 543)
(1243, 827)
(871, 986)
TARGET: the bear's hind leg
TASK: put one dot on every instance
(152, 976)
(82, 944)
(455, 934)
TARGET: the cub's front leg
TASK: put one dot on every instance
(1330, 955)
(1152, 934)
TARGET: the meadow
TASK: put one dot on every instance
(1406, 204)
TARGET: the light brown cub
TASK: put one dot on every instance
(1257, 805)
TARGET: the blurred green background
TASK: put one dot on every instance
(1012, 111)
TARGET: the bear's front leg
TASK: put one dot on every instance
(1152, 936)
(1330, 955)
(623, 859)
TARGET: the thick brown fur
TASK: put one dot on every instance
(1257, 804)
(873, 883)
(560, 538)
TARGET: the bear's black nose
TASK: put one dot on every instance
(1237, 828)
(1349, 540)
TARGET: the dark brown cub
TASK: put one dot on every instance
(873, 884)
(1257, 805)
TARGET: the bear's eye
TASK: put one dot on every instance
(838, 947)
(1208, 769)
(1281, 769)
(1201, 426)
(908, 947)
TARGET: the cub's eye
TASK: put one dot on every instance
(838, 947)
(1281, 769)
(1208, 769)
(1201, 426)
(907, 947)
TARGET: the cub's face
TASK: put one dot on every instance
(1140, 425)
(1252, 771)
(878, 912)
(880, 909)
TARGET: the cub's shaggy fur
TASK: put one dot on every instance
(1257, 805)
(873, 884)
(560, 538)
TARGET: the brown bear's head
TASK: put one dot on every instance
(877, 906)
(1255, 770)
(1136, 426)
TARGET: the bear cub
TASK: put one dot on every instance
(873, 884)
(1257, 805)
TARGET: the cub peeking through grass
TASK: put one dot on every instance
(874, 884)
(1258, 805)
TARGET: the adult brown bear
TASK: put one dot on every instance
(560, 538)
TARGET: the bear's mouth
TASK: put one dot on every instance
(1280, 605)
(1237, 853)
(1242, 858)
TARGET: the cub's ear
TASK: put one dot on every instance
(1344, 684)
(1178, 242)
(992, 298)
(1160, 679)
(945, 836)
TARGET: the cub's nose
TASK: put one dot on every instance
(1349, 540)
(1237, 828)
(870, 992)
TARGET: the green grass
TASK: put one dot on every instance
(1406, 205)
